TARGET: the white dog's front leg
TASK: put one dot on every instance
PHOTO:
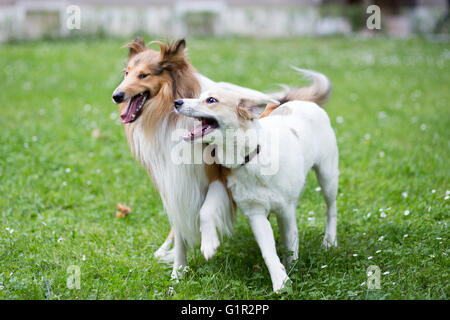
(179, 256)
(264, 236)
(215, 213)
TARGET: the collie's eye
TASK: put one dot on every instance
(211, 100)
(125, 73)
(143, 75)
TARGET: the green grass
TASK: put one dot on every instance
(59, 186)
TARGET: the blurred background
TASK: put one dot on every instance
(259, 18)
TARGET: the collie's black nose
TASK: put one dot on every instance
(178, 103)
(118, 96)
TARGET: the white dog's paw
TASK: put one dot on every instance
(210, 243)
(329, 242)
(164, 255)
(280, 286)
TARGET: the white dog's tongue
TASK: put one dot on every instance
(197, 131)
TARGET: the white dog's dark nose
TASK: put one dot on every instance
(178, 103)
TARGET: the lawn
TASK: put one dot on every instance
(65, 164)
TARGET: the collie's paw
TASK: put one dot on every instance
(209, 245)
(177, 273)
(164, 255)
(329, 242)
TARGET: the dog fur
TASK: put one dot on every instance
(304, 140)
(194, 196)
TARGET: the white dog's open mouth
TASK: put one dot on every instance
(134, 107)
(203, 126)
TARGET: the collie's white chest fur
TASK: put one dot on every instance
(182, 186)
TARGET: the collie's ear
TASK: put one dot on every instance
(135, 47)
(172, 55)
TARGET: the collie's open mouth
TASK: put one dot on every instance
(202, 127)
(134, 107)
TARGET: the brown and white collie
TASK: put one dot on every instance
(195, 196)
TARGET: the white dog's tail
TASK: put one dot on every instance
(319, 91)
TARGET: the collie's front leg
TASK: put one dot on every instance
(179, 261)
(215, 214)
(165, 253)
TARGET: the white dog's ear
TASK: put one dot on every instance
(252, 108)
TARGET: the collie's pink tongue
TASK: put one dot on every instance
(129, 114)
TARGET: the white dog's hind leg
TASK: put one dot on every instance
(215, 213)
(264, 237)
(179, 261)
(165, 254)
(287, 224)
(328, 177)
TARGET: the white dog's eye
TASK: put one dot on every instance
(211, 100)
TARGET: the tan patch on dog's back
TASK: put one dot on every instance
(282, 111)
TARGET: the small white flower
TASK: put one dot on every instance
(378, 251)
(60, 240)
(381, 238)
(405, 236)
(382, 115)
(405, 195)
(433, 191)
(311, 213)
(367, 136)
(2, 287)
(362, 284)
(113, 116)
(355, 254)
(423, 127)
(355, 210)
(438, 238)
(446, 197)
(10, 230)
(324, 266)
(98, 171)
(34, 138)
(170, 291)
(88, 182)
(382, 154)
(83, 258)
(64, 183)
(386, 273)
(406, 212)
(369, 214)
(339, 119)
(383, 214)
(318, 189)
(369, 258)
(68, 170)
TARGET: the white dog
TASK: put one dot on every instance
(296, 137)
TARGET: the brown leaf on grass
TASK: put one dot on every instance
(124, 210)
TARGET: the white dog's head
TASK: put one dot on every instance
(220, 110)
